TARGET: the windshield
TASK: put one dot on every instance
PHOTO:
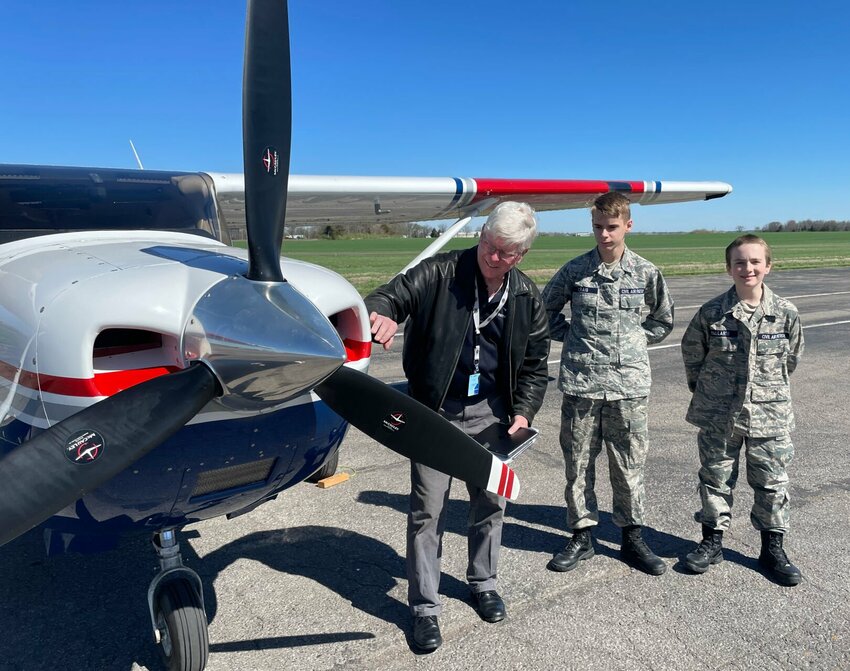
(37, 200)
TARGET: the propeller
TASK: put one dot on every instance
(289, 345)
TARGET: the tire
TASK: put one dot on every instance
(182, 623)
(327, 469)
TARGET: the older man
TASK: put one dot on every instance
(475, 349)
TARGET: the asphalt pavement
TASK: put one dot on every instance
(315, 580)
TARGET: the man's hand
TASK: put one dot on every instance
(383, 330)
(520, 422)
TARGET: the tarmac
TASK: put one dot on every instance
(315, 580)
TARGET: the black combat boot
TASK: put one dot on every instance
(580, 547)
(636, 552)
(708, 552)
(775, 562)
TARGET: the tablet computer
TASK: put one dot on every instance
(506, 447)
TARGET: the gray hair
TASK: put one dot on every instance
(514, 223)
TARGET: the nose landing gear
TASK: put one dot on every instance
(176, 603)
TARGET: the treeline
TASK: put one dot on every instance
(334, 232)
(807, 225)
(424, 230)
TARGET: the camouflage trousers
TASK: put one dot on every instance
(719, 455)
(587, 423)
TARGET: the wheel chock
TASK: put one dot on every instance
(324, 483)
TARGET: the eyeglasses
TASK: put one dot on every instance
(501, 253)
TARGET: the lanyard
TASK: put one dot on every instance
(476, 350)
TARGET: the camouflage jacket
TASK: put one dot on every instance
(604, 353)
(738, 369)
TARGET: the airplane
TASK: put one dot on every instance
(153, 376)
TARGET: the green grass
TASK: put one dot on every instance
(369, 262)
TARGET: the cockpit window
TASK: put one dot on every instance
(36, 200)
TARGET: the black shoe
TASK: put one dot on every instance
(491, 608)
(635, 552)
(580, 547)
(426, 633)
(708, 552)
(775, 562)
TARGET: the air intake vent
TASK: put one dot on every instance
(232, 477)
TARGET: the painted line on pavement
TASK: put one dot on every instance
(656, 347)
(790, 298)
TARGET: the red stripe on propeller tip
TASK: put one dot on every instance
(502, 480)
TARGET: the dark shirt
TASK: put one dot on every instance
(489, 340)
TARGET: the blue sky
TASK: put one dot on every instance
(754, 94)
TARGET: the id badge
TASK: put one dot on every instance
(474, 384)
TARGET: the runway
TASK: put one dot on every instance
(315, 579)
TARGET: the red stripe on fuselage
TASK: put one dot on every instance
(356, 350)
(107, 384)
(102, 384)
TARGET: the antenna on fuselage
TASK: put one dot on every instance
(136, 154)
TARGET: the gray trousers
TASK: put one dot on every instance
(426, 522)
(587, 424)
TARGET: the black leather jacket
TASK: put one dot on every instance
(438, 296)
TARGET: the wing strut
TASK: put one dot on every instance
(448, 234)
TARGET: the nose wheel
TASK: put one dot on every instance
(175, 599)
(182, 626)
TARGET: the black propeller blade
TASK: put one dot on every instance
(266, 134)
(406, 426)
(75, 456)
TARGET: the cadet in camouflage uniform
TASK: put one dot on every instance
(739, 351)
(619, 303)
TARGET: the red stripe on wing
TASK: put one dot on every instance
(514, 187)
(552, 194)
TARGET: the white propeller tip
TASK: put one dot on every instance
(503, 480)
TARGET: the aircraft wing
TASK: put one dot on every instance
(339, 200)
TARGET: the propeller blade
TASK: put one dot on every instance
(406, 426)
(266, 134)
(77, 455)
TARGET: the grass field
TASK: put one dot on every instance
(369, 262)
